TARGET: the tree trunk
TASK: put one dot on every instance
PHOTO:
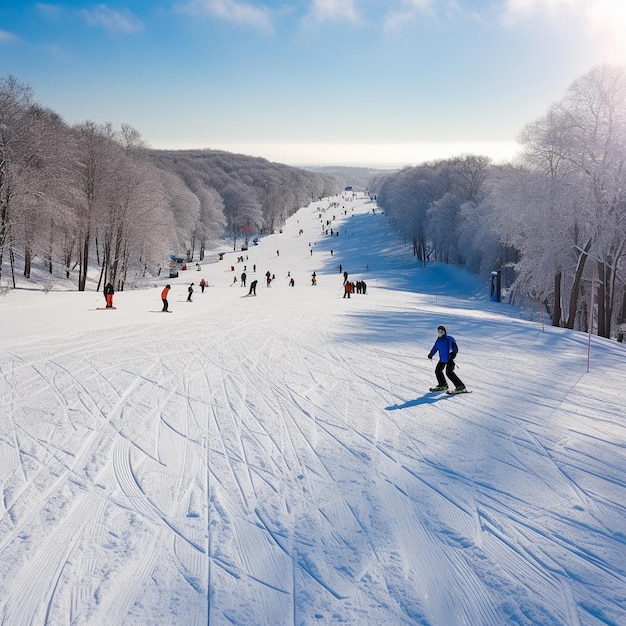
(50, 246)
(83, 262)
(4, 214)
(621, 320)
(12, 260)
(575, 292)
(557, 314)
(68, 250)
(114, 263)
(28, 256)
(601, 298)
(101, 280)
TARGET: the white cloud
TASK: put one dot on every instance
(601, 21)
(49, 11)
(6, 37)
(456, 9)
(239, 13)
(407, 13)
(333, 11)
(113, 21)
(516, 10)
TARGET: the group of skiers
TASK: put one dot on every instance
(445, 345)
(350, 287)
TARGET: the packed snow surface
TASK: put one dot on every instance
(278, 459)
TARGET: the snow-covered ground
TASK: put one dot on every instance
(278, 459)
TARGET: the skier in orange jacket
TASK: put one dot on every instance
(164, 298)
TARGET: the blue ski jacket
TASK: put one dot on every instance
(447, 348)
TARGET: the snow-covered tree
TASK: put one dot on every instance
(579, 150)
(242, 210)
(16, 118)
(443, 222)
(95, 156)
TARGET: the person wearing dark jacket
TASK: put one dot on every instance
(108, 295)
(190, 291)
(447, 348)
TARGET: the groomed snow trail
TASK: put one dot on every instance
(278, 460)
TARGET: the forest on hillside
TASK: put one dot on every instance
(552, 223)
(90, 195)
(256, 195)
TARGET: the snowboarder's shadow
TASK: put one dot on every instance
(427, 398)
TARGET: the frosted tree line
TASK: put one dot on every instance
(88, 196)
(257, 195)
(91, 197)
(554, 221)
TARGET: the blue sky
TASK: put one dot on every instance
(377, 82)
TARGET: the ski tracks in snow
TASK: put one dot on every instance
(117, 456)
(244, 466)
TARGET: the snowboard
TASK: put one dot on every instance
(106, 308)
(161, 311)
(454, 392)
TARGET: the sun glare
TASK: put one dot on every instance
(602, 23)
(607, 19)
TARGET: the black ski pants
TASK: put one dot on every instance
(449, 367)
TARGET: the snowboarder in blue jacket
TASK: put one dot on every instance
(447, 348)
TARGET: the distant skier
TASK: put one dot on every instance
(164, 293)
(202, 285)
(252, 291)
(189, 292)
(108, 295)
(448, 349)
(314, 278)
(243, 279)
